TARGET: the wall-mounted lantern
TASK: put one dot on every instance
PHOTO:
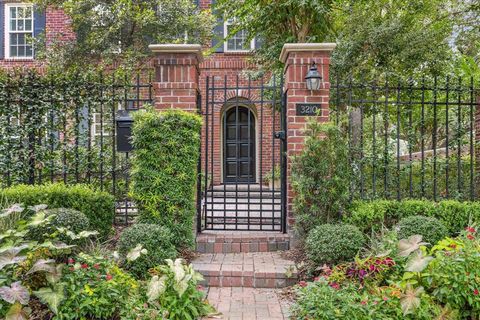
(124, 123)
(313, 78)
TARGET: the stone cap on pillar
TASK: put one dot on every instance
(195, 49)
(305, 47)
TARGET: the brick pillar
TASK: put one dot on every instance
(298, 57)
(176, 75)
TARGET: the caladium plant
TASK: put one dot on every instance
(17, 252)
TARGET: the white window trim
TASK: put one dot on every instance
(96, 121)
(7, 30)
(226, 23)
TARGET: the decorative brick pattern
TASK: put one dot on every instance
(237, 242)
(247, 304)
(258, 270)
(176, 81)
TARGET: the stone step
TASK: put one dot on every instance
(253, 269)
(241, 241)
(243, 194)
(242, 187)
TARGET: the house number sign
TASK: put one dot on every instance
(308, 109)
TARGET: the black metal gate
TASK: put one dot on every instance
(242, 168)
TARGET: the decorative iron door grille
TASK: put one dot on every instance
(242, 165)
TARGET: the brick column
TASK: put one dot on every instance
(176, 75)
(298, 57)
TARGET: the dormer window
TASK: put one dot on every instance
(19, 26)
(239, 41)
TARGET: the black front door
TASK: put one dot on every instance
(239, 145)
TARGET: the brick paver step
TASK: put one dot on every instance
(247, 304)
(242, 241)
(252, 269)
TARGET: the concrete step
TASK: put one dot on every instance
(257, 270)
(242, 187)
(243, 194)
(241, 241)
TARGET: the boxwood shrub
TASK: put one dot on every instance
(164, 170)
(431, 229)
(370, 215)
(71, 219)
(156, 239)
(333, 243)
(99, 207)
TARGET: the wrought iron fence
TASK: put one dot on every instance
(62, 129)
(409, 139)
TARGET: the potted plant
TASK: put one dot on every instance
(273, 178)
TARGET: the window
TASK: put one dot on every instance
(19, 27)
(97, 126)
(239, 41)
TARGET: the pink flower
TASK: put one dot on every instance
(335, 285)
(385, 299)
(470, 229)
(316, 279)
(96, 266)
(302, 284)
(84, 266)
(109, 277)
(71, 261)
(199, 287)
(364, 302)
(470, 237)
(475, 292)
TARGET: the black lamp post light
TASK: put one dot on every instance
(313, 78)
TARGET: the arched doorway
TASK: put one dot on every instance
(239, 145)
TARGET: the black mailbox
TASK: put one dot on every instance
(124, 131)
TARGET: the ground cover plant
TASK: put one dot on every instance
(410, 280)
(48, 278)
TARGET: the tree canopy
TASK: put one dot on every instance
(111, 30)
(381, 37)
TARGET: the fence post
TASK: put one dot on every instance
(298, 58)
(176, 76)
(477, 147)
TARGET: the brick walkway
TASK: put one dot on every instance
(247, 303)
(253, 269)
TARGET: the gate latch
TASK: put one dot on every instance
(280, 135)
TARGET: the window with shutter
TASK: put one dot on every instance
(19, 31)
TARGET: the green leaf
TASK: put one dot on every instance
(51, 297)
(410, 299)
(418, 263)
(16, 312)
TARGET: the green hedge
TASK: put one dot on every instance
(99, 207)
(164, 170)
(370, 215)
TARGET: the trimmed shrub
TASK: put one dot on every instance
(156, 239)
(333, 243)
(73, 220)
(164, 170)
(429, 228)
(321, 175)
(99, 207)
(371, 215)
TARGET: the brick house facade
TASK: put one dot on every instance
(240, 119)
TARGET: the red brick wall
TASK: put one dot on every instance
(222, 69)
(297, 66)
(57, 29)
